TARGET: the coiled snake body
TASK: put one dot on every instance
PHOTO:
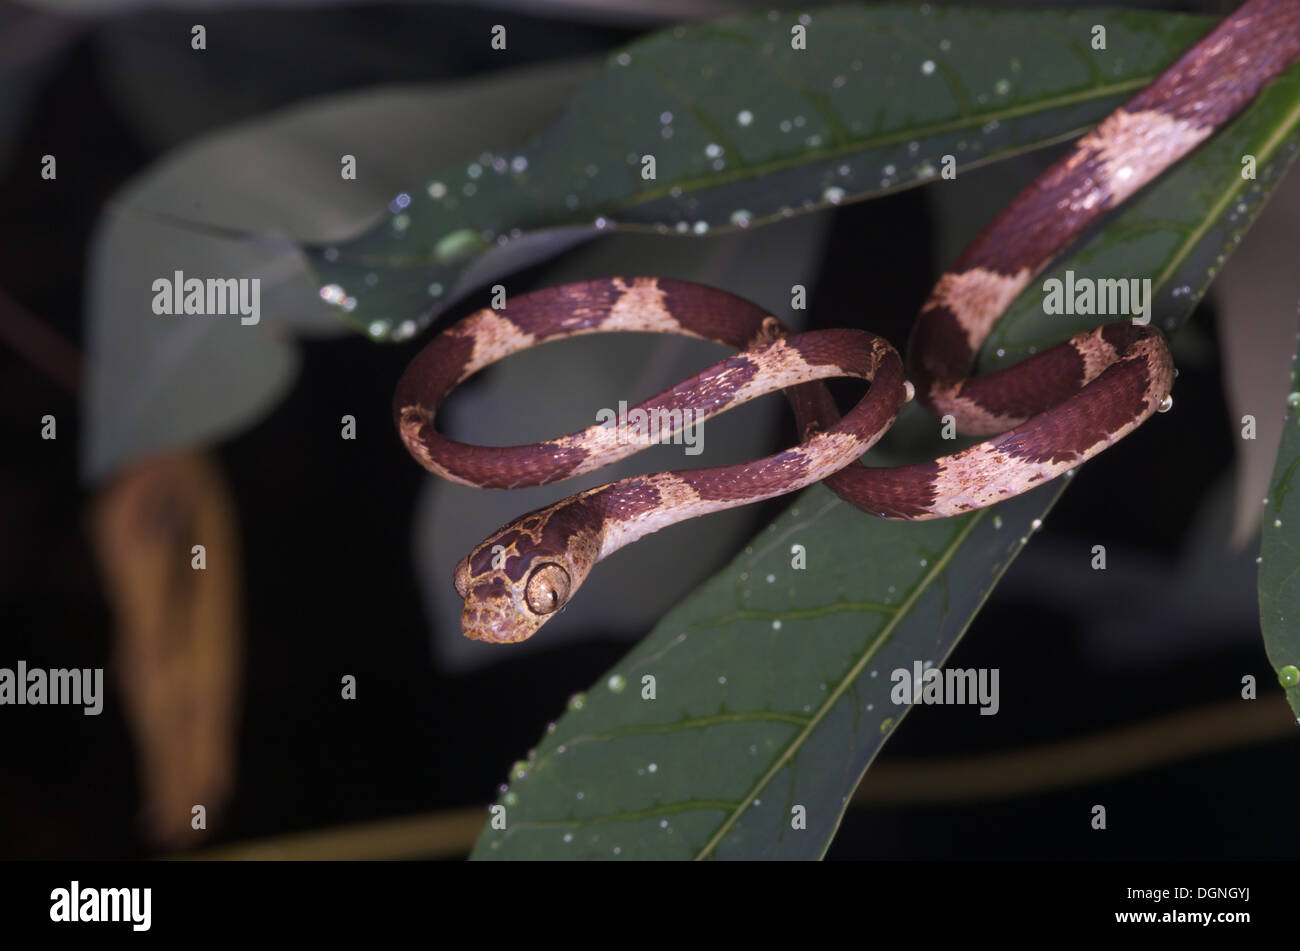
(1052, 411)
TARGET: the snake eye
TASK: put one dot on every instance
(547, 589)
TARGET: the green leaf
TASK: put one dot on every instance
(1178, 233)
(1279, 567)
(776, 693)
(745, 129)
(771, 691)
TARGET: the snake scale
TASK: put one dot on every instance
(1046, 414)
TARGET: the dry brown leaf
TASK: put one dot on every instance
(179, 635)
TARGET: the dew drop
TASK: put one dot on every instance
(568, 837)
(834, 195)
(653, 767)
(457, 245)
(577, 701)
(1036, 524)
(436, 190)
(909, 391)
(519, 770)
(776, 625)
(1277, 523)
(885, 724)
(713, 150)
(616, 683)
(1289, 675)
(744, 117)
(924, 562)
(997, 521)
(927, 68)
(700, 227)
(510, 799)
(1293, 399)
(623, 59)
(1166, 405)
(741, 218)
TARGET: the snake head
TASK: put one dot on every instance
(524, 574)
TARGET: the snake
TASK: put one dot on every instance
(1044, 415)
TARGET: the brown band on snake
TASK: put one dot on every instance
(1052, 411)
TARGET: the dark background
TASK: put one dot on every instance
(421, 739)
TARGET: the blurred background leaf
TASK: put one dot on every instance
(158, 383)
(179, 639)
(636, 11)
(1257, 291)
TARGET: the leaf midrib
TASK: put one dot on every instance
(851, 675)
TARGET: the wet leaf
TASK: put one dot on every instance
(773, 684)
(1177, 233)
(745, 129)
(1279, 568)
